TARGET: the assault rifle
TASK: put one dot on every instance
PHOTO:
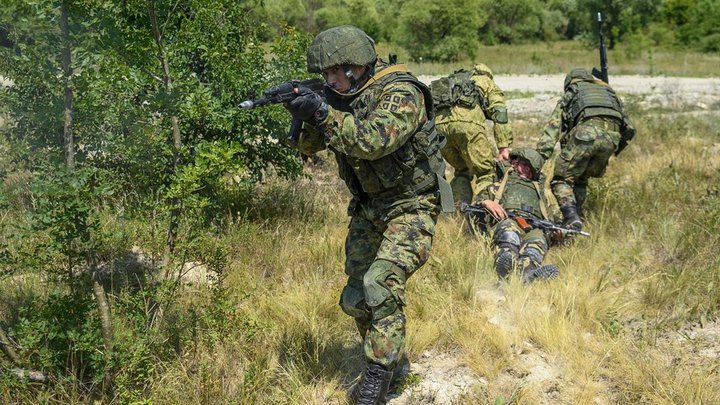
(603, 72)
(526, 223)
(283, 93)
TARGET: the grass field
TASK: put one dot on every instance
(560, 57)
(633, 318)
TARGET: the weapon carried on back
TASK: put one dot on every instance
(603, 72)
(283, 93)
(526, 223)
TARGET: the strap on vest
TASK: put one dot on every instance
(543, 208)
(503, 183)
(501, 190)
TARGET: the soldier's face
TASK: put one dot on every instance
(336, 78)
(523, 168)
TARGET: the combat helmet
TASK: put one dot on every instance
(577, 74)
(338, 46)
(531, 156)
(482, 69)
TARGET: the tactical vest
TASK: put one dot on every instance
(457, 89)
(593, 100)
(412, 169)
(521, 196)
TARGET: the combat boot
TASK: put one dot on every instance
(374, 386)
(532, 272)
(505, 262)
(571, 219)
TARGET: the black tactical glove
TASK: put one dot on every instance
(308, 106)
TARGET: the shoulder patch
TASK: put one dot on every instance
(391, 103)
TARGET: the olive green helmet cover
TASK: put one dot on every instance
(343, 45)
(531, 156)
(577, 74)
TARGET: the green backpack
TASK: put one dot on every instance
(455, 89)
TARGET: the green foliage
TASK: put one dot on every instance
(62, 335)
(444, 32)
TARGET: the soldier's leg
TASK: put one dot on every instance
(506, 238)
(534, 246)
(361, 245)
(452, 152)
(580, 192)
(570, 166)
(405, 247)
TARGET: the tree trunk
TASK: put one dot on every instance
(177, 138)
(69, 141)
(7, 347)
(105, 315)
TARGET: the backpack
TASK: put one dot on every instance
(455, 89)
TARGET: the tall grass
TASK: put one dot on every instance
(615, 327)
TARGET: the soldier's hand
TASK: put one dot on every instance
(495, 209)
(308, 106)
(504, 154)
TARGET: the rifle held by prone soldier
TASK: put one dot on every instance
(603, 72)
(525, 222)
(284, 93)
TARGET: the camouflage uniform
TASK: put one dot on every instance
(518, 247)
(468, 149)
(591, 125)
(388, 153)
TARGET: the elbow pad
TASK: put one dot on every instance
(501, 116)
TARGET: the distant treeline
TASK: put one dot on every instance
(452, 29)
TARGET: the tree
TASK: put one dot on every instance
(443, 32)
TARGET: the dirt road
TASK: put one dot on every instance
(677, 93)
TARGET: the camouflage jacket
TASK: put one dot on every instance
(563, 119)
(384, 141)
(492, 107)
(521, 195)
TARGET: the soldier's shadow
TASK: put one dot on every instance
(337, 360)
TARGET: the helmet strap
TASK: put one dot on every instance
(355, 83)
(349, 74)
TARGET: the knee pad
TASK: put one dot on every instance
(534, 254)
(507, 240)
(352, 299)
(384, 288)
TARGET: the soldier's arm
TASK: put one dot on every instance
(399, 112)
(495, 108)
(311, 140)
(553, 130)
(627, 131)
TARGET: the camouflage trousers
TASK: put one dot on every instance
(381, 254)
(523, 248)
(585, 153)
(470, 152)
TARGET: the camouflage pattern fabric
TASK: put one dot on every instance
(381, 254)
(526, 247)
(586, 146)
(533, 240)
(394, 210)
(469, 152)
(468, 148)
(585, 154)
